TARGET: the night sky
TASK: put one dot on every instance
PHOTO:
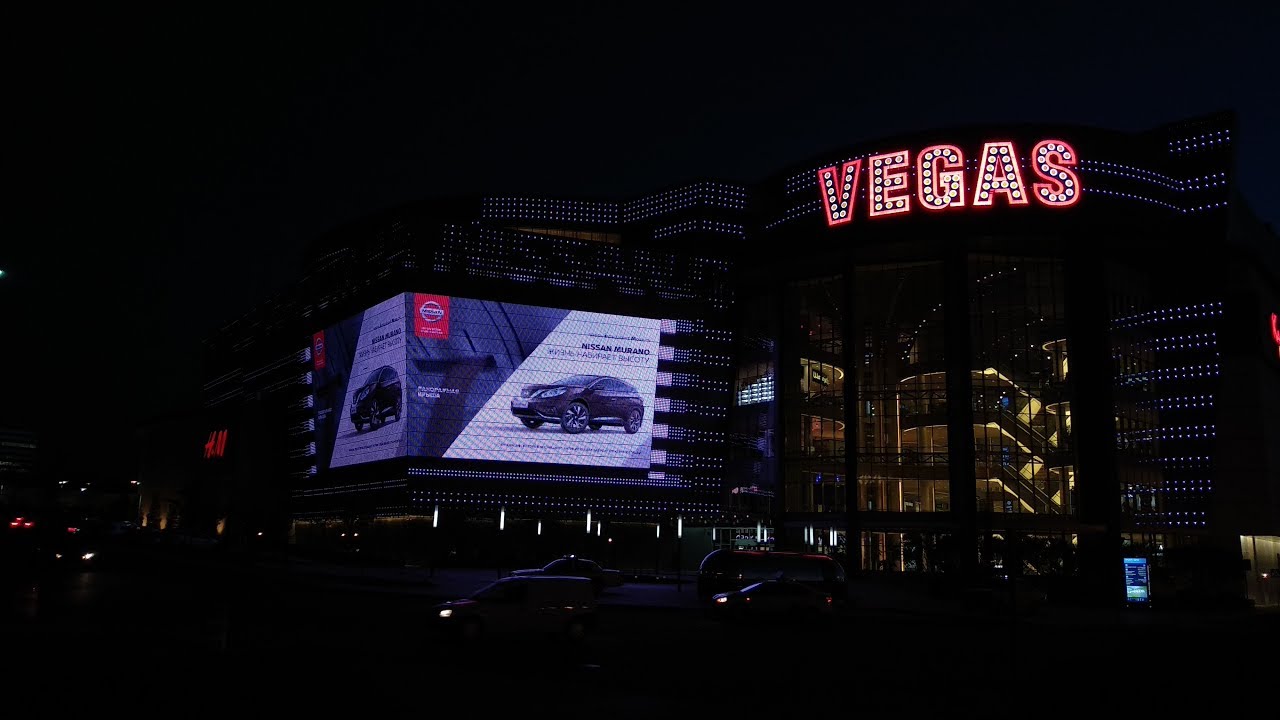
(172, 163)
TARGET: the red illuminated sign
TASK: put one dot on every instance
(940, 180)
(317, 350)
(431, 316)
(216, 446)
(1275, 331)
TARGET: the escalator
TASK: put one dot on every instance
(1014, 415)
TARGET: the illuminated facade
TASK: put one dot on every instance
(1024, 363)
(1013, 351)
(496, 270)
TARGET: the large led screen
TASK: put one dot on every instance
(359, 377)
(447, 377)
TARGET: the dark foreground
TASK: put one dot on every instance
(167, 636)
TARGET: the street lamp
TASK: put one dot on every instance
(431, 551)
(679, 554)
(657, 544)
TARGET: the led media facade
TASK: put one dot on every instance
(435, 376)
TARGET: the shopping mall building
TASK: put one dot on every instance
(992, 351)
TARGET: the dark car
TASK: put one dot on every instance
(573, 566)
(48, 543)
(377, 399)
(523, 605)
(579, 402)
(772, 600)
(728, 570)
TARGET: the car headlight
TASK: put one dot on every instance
(446, 613)
(87, 556)
(552, 392)
(722, 599)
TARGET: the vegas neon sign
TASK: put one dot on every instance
(941, 183)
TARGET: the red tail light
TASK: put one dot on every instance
(828, 599)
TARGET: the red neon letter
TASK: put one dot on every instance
(998, 173)
(940, 177)
(1049, 161)
(216, 446)
(889, 194)
(838, 201)
(1275, 331)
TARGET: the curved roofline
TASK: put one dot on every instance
(971, 128)
(912, 141)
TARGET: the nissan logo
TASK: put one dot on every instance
(431, 311)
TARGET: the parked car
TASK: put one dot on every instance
(580, 402)
(728, 570)
(772, 600)
(573, 566)
(523, 605)
(377, 399)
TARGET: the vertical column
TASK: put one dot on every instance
(851, 347)
(785, 360)
(1093, 422)
(960, 452)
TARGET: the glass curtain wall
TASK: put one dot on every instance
(1142, 403)
(902, 396)
(813, 412)
(753, 446)
(1021, 366)
(1021, 369)
(899, 362)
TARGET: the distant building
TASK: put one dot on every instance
(17, 463)
(987, 353)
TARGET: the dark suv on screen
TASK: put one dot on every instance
(378, 398)
(579, 402)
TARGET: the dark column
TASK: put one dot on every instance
(781, 386)
(960, 453)
(1093, 422)
(852, 345)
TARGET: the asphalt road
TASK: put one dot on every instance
(217, 637)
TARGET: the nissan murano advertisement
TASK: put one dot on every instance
(448, 377)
